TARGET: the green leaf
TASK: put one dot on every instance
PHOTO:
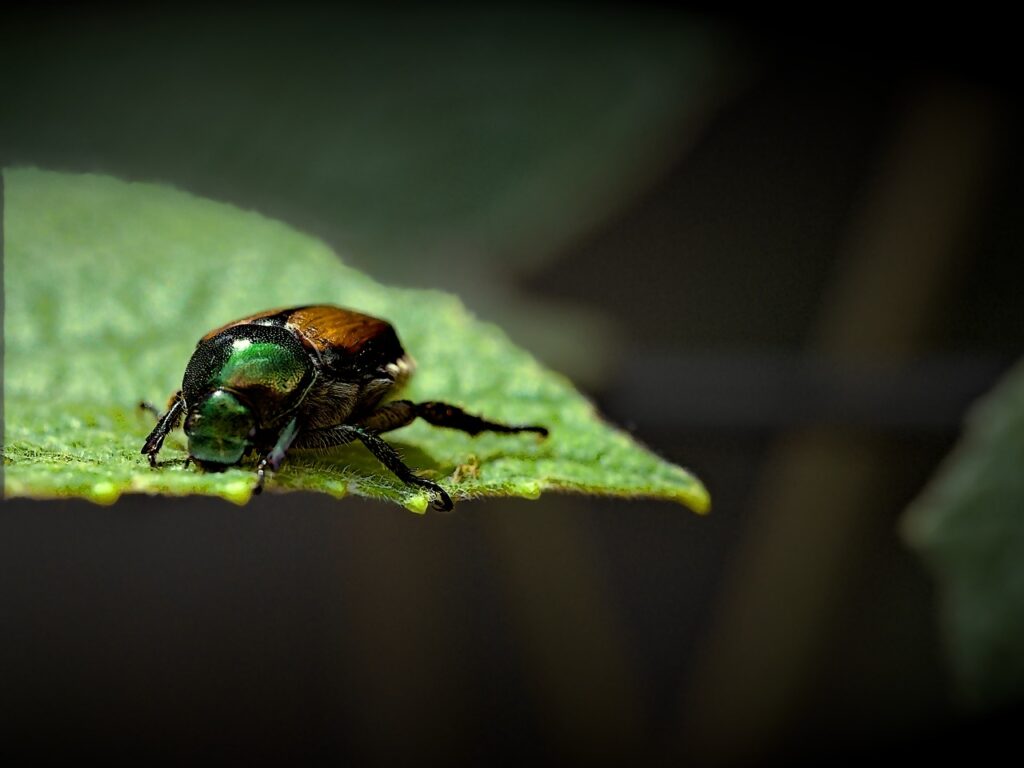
(969, 527)
(109, 285)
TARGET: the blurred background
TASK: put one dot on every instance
(781, 251)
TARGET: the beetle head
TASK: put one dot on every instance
(220, 428)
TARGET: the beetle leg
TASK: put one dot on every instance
(399, 413)
(385, 454)
(453, 417)
(274, 459)
(389, 457)
(175, 409)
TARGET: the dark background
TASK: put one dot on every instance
(812, 277)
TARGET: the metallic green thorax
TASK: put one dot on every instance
(262, 365)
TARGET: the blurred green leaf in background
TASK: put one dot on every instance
(969, 527)
(450, 147)
(109, 285)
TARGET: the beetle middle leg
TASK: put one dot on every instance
(385, 454)
(276, 456)
(399, 413)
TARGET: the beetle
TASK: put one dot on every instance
(314, 376)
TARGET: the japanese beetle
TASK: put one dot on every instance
(306, 377)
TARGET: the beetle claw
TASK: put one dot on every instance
(442, 501)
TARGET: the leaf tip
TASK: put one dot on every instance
(696, 499)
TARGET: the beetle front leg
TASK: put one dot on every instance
(175, 410)
(274, 459)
